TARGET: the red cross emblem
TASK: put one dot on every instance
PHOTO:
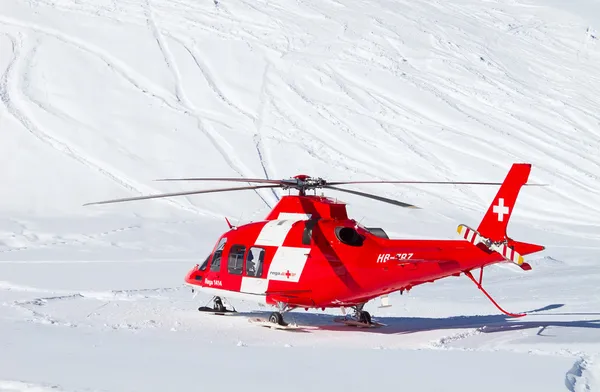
(287, 274)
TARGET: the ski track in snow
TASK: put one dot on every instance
(181, 104)
(9, 87)
(443, 342)
(265, 99)
(19, 386)
(114, 294)
(72, 241)
(168, 56)
(138, 81)
(220, 143)
(202, 68)
(33, 306)
(211, 135)
(577, 378)
(319, 108)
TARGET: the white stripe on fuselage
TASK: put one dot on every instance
(295, 216)
(254, 285)
(288, 263)
(274, 232)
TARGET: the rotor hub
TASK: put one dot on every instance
(303, 183)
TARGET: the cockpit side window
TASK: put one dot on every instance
(255, 261)
(235, 261)
(215, 265)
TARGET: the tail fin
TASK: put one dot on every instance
(493, 225)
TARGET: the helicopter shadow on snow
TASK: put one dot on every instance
(483, 323)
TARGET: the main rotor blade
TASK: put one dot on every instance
(370, 196)
(258, 180)
(183, 194)
(423, 182)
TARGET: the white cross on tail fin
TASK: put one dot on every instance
(493, 225)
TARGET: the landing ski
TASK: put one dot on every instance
(266, 323)
(208, 310)
(354, 323)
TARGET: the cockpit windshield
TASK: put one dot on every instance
(215, 265)
(204, 264)
(216, 262)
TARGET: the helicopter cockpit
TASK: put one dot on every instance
(235, 256)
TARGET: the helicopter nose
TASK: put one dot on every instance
(194, 276)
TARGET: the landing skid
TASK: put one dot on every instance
(207, 310)
(218, 308)
(359, 324)
(360, 318)
(269, 324)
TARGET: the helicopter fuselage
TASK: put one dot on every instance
(308, 253)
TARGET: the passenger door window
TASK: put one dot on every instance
(255, 261)
(235, 262)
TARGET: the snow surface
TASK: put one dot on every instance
(100, 97)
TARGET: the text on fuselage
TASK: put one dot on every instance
(210, 282)
(385, 257)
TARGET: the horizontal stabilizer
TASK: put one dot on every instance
(469, 234)
(525, 248)
(503, 248)
(509, 253)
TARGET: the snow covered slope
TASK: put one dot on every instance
(100, 97)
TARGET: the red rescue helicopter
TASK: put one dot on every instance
(307, 252)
